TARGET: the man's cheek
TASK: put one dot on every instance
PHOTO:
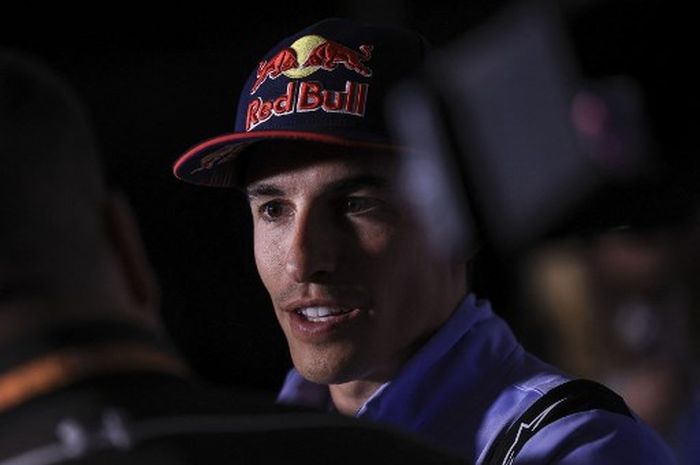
(375, 240)
(262, 260)
(269, 261)
(267, 274)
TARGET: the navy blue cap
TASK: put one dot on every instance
(326, 84)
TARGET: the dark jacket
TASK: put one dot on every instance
(103, 392)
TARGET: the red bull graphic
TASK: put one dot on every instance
(309, 54)
(331, 54)
(301, 59)
(284, 60)
(307, 96)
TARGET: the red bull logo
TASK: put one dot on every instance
(331, 54)
(309, 54)
(274, 67)
(301, 59)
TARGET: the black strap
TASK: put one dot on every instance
(568, 398)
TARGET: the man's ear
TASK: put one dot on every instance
(127, 246)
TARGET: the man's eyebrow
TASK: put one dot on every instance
(362, 181)
(359, 182)
(263, 190)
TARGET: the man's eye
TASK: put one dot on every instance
(355, 205)
(273, 210)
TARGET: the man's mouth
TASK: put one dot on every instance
(320, 319)
(321, 314)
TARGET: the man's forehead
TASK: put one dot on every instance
(287, 162)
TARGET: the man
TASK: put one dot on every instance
(378, 326)
(84, 375)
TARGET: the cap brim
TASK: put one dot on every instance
(210, 162)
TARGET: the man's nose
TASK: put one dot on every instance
(313, 249)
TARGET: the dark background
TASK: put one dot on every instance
(158, 82)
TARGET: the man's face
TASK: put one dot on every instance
(354, 286)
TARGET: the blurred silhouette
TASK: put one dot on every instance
(510, 136)
(622, 307)
(85, 375)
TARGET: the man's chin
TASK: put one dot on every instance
(325, 370)
(324, 376)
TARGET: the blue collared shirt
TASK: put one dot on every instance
(471, 380)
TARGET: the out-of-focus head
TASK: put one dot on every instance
(50, 181)
(63, 236)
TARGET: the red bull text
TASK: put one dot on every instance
(307, 96)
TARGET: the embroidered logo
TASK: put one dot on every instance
(301, 59)
(309, 54)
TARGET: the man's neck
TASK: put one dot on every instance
(349, 397)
